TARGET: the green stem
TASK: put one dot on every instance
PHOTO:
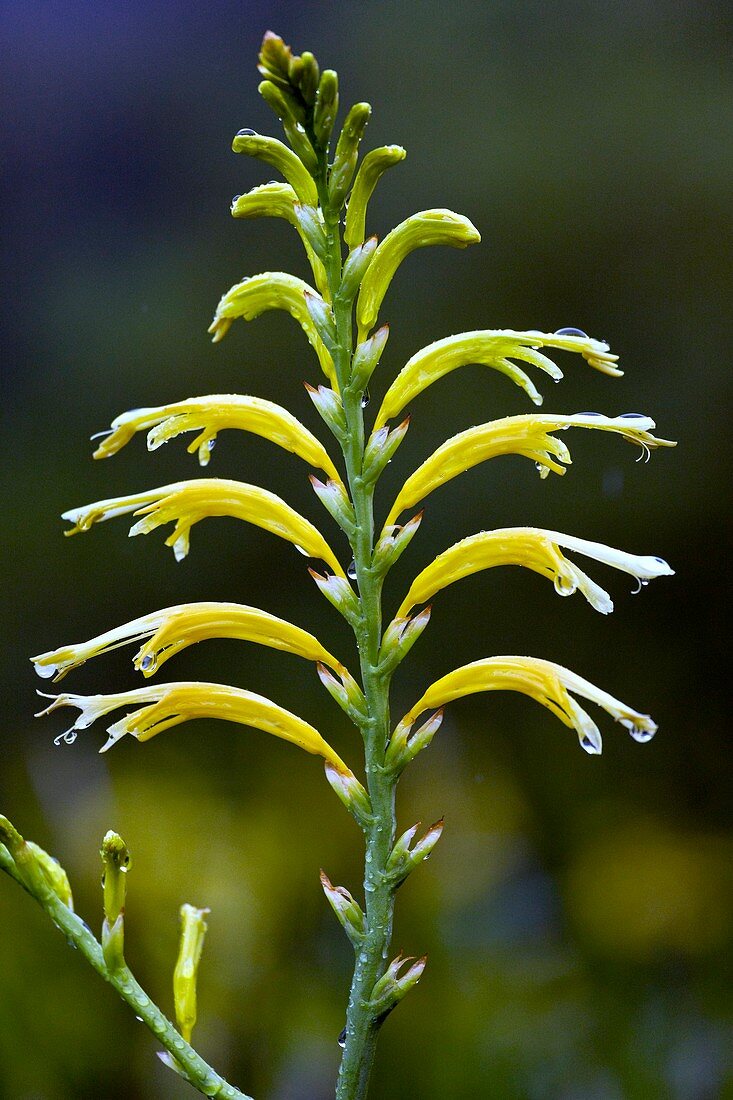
(192, 1066)
(362, 1023)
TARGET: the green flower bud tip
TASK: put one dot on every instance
(54, 874)
(191, 944)
(116, 863)
(347, 909)
(351, 793)
(334, 499)
(391, 988)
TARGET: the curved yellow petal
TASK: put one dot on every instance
(277, 200)
(490, 348)
(544, 681)
(276, 153)
(211, 414)
(371, 169)
(186, 502)
(162, 706)
(534, 548)
(175, 628)
(522, 435)
(426, 228)
(272, 290)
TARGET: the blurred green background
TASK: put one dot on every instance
(578, 912)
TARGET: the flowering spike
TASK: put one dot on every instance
(535, 549)
(186, 502)
(210, 415)
(371, 169)
(271, 290)
(544, 681)
(524, 435)
(175, 628)
(348, 911)
(191, 944)
(491, 348)
(426, 228)
(162, 706)
(277, 154)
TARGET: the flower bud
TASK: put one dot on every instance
(351, 793)
(403, 860)
(391, 988)
(393, 541)
(282, 101)
(326, 107)
(380, 449)
(404, 745)
(322, 316)
(311, 223)
(399, 638)
(371, 169)
(347, 153)
(54, 874)
(348, 911)
(276, 153)
(191, 943)
(308, 77)
(329, 405)
(345, 691)
(116, 863)
(335, 500)
(367, 355)
(355, 267)
(339, 592)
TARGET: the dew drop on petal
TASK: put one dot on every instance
(301, 550)
(589, 745)
(147, 663)
(236, 199)
(571, 332)
(365, 398)
(68, 737)
(351, 571)
(589, 414)
(342, 1038)
(211, 443)
(632, 416)
(246, 133)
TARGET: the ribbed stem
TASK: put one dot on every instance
(362, 1024)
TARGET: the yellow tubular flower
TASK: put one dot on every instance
(371, 169)
(521, 435)
(277, 200)
(490, 348)
(544, 681)
(210, 415)
(277, 154)
(161, 706)
(426, 228)
(186, 502)
(272, 290)
(175, 628)
(535, 549)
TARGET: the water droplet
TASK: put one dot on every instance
(641, 582)
(368, 857)
(365, 398)
(301, 550)
(236, 199)
(139, 1019)
(211, 443)
(589, 414)
(147, 663)
(588, 744)
(246, 133)
(641, 735)
(342, 1037)
(351, 571)
(571, 332)
(632, 416)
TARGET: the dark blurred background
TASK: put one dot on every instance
(577, 912)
